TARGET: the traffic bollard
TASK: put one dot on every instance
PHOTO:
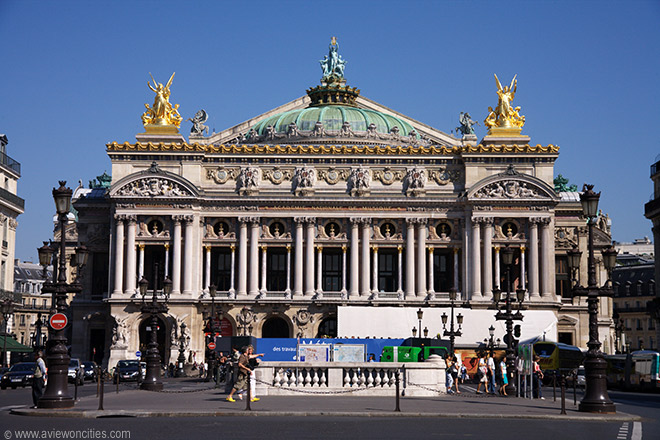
(249, 394)
(100, 382)
(396, 381)
(75, 386)
(562, 384)
(554, 387)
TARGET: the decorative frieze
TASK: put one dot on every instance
(153, 187)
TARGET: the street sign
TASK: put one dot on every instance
(211, 345)
(58, 321)
(138, 353)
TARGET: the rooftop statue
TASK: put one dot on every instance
(198, 120)
(333, 64)
(161, 112)
(504, 115)
(466, 124)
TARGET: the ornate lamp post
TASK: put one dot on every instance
(619, 328)
(181, 360)
(491, 343)
(595, 398)
(57, 356)
(505, 313)
(459, 319)
(210, 354)
(37, 333)
(245, 318)
(152, 377)
(420, 315)
(7, 311)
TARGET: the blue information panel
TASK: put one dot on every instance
(285, 349)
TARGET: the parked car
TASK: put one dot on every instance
(20, 374)
(89, 370)
(76, 372)
(581, 380)
(127, 370)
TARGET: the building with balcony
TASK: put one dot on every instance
(331, 215)
(634, 291)
(33, 305)
(652, 212)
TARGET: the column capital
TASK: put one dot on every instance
(167, 246)
(244, 220)
(131, 219)
(375, 248)
(120, 218)
(207, 248)
(430, 248)
(539, 221)
(232, 248)
(421, 222)
(411, 222)
(522, 249)
(263, 247)
(299, 220)
(319, 249)
(344, 248)
(400, 249)
(456, 249)
(497, 249)
(477, 220)
(288, 248)
(487, 221)
(141, 246)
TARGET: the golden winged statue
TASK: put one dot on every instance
(161, 113)
(505, 116)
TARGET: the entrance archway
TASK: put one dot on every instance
(328, 328)
(275, 327)
(163, 342)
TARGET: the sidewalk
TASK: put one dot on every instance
(190, 398)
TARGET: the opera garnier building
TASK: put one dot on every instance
(331, 215)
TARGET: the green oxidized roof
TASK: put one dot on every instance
(333, 117)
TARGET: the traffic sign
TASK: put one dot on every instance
(58, 321)
(138, 353)
(211, 345)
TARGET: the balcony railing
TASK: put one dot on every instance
(12, 198)
(10, 163)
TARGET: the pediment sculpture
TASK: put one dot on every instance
(249, 180)
(359, 181)
(415, 181)
(153, 187)
(507, 189)
(304, 179)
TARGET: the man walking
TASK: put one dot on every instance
(491, 374)
(38, 379)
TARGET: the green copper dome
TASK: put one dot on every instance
(333, 118)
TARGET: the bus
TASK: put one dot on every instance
(638, 370)
(557, 359)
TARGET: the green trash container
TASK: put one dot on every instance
(400, 354)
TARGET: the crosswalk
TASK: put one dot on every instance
(625, 432)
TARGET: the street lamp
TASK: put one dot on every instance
(595, 396)
(211, 353)
(245, 317)
(7, 311)
(619, 328)
(459, 319)
(491, 343)
(181, 360)
(152, 377)
(37, 333)
(57, 356)
(505, 313)
(420, 314)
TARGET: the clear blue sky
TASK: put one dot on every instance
(74, 77)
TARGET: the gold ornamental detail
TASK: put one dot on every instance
(505, 119)
(327, 149)
(161, 117)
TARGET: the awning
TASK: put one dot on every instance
(14, 345)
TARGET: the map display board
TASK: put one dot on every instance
(348, 353)
(314, 353)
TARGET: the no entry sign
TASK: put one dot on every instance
(58, 321)
(211, 345)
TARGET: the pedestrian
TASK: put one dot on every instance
(454, 372)
(491, 374)
(538, 379)
(482, 375)
(505, 380)
(243, 372)
(449, 379)
(38, 378)
(464, 373)
(254, 363)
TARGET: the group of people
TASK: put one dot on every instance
(492, 374)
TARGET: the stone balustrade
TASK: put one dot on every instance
(351, 378)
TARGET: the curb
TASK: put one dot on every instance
(93, 414)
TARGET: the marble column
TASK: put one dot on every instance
(366, 257)
(167, 259)
(232, 275)
(188, 257)
(343, 271)
(298, 273)
(319, 271)
(119, 255)
(253, 279)
(498, 278)
(131, 255)
(533, 258)
(421, 258)
(176, 255)
(207, 268)
(547, 260)
(242, 257)
(475, 254)
(354, 291)
(141, 261)
(399, 284)
(488, 258)
(374, 273)
(431, 288)
(264, 258)
(288, 271)
(410, 257)
(309, 254)
(523, 281)
(456, 272)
